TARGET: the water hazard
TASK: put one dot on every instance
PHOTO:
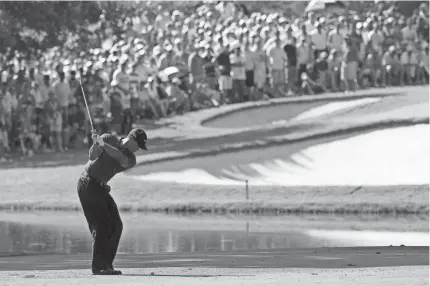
(67, 233)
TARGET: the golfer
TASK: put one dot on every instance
(109, 155)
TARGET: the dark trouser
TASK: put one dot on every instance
(103, 220)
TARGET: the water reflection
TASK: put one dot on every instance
(28, 238)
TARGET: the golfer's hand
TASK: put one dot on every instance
(99, 140)
(94, 135)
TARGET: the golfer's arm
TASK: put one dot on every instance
(95, 151)
(116, 154)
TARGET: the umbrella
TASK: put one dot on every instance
(319, 5)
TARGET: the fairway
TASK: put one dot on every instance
(335, 266)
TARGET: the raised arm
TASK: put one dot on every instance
(107, 142)
(95, 151)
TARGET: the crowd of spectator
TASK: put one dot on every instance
(158, 64)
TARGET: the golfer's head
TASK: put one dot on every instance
(135, 139)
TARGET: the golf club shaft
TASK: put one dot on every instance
(86, 104)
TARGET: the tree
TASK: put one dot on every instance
(43, 24)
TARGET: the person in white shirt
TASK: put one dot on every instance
(238, 73)
(39, 102)
(409, 32)
(277, 59)
(409, 61)
(260, 72)
(142, 69)
(63, 97)
(424, 65)
(162, 19)
(9, 104)
(310, 23)
(319, 41)
(121, 83)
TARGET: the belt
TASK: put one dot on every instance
(86, 175)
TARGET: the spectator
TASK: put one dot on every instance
(9, 104)
(391, 65)
(64, 98)
(336, 40)
(222, 61)
(179, 98)
(424, 63)
(167, 59)
(250, 58)
(4, 142)
(409, 33)
(55, 121)
(349, 67)
(303, 57)
(334, 67)
(195, 66)
(319, 40)
(120, 77)
(209, 68)
(238, 74)
(260, 71)
(119, 71)
(290, 49)
(74, 89)
(409, 61)
(277, 60)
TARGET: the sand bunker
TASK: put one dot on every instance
(282, 113)
(397, 156)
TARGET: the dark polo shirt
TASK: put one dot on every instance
(105, 167)
(224, 63)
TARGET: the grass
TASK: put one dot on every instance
(55, 189)
(235, 223)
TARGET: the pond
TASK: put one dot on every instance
(149, 233)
